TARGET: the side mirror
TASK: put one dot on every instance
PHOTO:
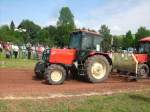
(97, 47)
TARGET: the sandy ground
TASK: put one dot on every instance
(15, 82)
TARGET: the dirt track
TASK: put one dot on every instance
(22, 83)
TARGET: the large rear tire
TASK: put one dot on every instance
(143, 71)
(39, 70)
(97, 68)
(56, 74)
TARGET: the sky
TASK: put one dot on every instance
(119, 15)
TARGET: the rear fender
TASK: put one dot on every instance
(141, 58)
(99, 53)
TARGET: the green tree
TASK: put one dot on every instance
(43, 36)
(117, 43)
(53, 35)
(65, 25)
(12, 25)
(47, 36)
(141, 33)
(32, 30)
(8, 35)
(128, 40)
(4, 33)
(106, 43)
(66, 18)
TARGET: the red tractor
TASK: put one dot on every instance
(82, 58)
(136, 65)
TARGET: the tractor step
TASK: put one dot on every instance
(81, 69)
(81, 72)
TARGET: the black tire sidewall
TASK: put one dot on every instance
(40, 67)
(145, 66)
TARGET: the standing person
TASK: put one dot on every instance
(40, 51)
(11, 49)
(15, 51)
(29, 50)
(1, 49)
(7, 50)
(33, 52)
(24, 51)
(36, 51)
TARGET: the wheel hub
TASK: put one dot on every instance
(56, 76)
(98, 70)
(143, 73)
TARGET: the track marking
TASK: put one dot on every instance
(66, 95)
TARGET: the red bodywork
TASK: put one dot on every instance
(141, 58)
(63, 56)
(146, 39)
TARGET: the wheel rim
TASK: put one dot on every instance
(98, 70)
(56, 75)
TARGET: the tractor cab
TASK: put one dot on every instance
(85, 40)
(144, 46)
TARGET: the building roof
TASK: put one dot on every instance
(146, 39)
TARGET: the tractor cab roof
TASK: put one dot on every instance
(87, 31)
(146, 39)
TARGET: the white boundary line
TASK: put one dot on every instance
(67, 95)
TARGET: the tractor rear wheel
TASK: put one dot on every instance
(39, 70)
(56, 74)
(143, 71)
(97, 68)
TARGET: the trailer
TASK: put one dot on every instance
(136, 65)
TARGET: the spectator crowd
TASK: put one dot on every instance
(25, 51)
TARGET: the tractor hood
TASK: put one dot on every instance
(63, 56)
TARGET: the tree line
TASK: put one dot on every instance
(129, 40)
(28, 31)
(58, 35)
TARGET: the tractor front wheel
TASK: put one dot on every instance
(97, 68)
(39, 70)
(56, 74)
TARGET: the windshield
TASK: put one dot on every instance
(144, 47)
(87, 43)
(90, 42)
(75, 40)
